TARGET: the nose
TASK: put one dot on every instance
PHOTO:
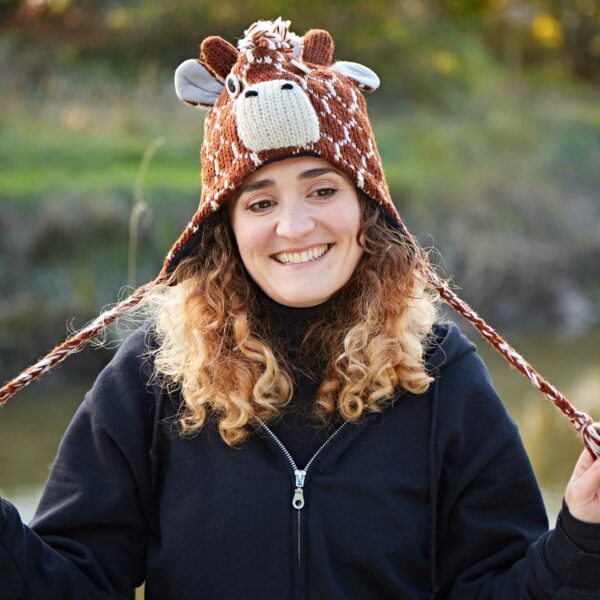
(294, 221)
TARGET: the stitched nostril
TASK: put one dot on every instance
(251, 93)
(287, 86)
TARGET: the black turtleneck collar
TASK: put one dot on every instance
(296, 427)
(290, 323)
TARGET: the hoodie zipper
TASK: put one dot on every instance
(298, 500)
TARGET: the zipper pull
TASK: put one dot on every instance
(298, 499)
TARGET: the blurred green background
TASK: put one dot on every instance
(488, 121)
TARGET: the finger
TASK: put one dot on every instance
(585, 461)
(589, 480)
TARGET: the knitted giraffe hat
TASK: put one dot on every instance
(275, 96)
(278, 95)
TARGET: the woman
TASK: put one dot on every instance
(291, 421)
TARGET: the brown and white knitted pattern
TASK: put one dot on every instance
(278, 95)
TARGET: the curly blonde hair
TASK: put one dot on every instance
(215, 350)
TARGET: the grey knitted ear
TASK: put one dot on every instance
(196, 85)
(366, 79)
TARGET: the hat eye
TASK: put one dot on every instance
(233, 85)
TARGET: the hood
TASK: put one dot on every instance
(446, 346)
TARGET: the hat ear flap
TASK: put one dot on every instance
(219, 55)
(365, 78)
(195, 85)
(318, 47)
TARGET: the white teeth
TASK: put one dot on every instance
(302, 257)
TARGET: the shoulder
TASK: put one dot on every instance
(113, 428)
(453, 359)
(467, 402)
(124, 390)
(477, 444)
(132, 362)
(445, 345)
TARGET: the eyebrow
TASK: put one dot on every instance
(310, 174)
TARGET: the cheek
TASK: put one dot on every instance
(249, 239)
(353, 225)
(347, 223)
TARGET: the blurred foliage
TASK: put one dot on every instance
(433, 44)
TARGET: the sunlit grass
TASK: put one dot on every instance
(536, 134)
(44, 153)
(93, 139)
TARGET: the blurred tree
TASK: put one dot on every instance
(580, 21)
(442, 48)
(7, 9)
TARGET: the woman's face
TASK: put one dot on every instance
(296, 223)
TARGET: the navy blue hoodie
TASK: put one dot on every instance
(434, 497)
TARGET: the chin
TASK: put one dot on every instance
(302, 300)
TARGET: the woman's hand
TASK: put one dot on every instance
(583, 490)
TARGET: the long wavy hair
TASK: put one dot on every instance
(216, 349)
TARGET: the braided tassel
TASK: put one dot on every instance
(583, 424)
(74, 343)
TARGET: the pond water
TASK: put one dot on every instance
(32, 423)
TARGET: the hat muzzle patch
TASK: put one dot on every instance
(275, 114)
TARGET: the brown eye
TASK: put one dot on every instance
(259, 206)
(233, 85)
(325, 192)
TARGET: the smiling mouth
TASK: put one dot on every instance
(298, 258)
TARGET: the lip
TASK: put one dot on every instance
(304, 264)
